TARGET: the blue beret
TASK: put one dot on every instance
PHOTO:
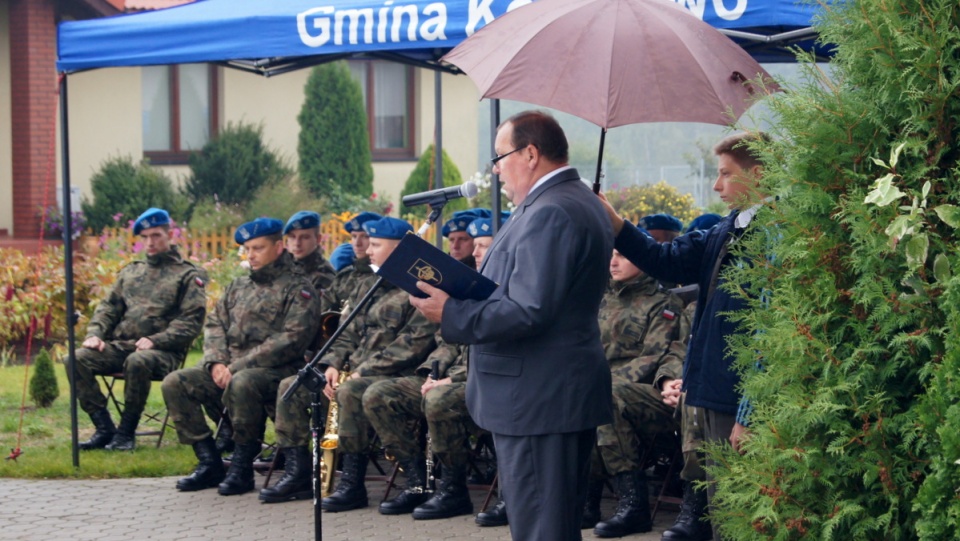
(305, 219)
(703, 222)
(261, 227)
(462, 218)
(663, 222)
(483, 227)
(356, 223)
(387, 228)
(342, 256)
(152, 217)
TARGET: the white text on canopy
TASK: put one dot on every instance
(317, 26)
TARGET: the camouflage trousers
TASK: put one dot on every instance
(139, 369)
(691, 434)
(355, 429)
(395, 408)
(248, 397)
(293, 418)
(639, 414)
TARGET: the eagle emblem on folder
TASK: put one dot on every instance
(425, 272)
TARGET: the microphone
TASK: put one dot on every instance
(467, 189)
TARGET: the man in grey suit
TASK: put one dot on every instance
(538, 379)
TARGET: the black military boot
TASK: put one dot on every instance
(209, 470)
(633, 509)
(350, 493)
(297, 481)
(413, 494)
(494, 517)
(451, 499)
(225, 436)
(239, 479)
(125, 437)
(105, 430)
(688, 526)
(591, 511)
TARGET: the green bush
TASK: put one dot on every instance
(233, 166)
(281, 200)
(334, 146)
(636, 202)
(422, 179)
(43, 384)
(209, 214)
(128, 188)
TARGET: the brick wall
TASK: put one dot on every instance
(34, 110)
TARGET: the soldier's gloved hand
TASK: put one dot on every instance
(94, 343)
(144, 343)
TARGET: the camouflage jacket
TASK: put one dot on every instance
(350, 284)
(452, 359)
(264, 319)
(318, 270)
(161, 298)
(640, 330)
(390, 339)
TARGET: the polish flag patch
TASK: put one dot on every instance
(199, 281)
(669, 314)
(305, 294)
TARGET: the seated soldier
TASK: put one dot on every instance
(143, 328)
(256, 336)
(455, 229)
(342, 256)
(353, 280)
(395, 408)
(639, 325)
(663, 228)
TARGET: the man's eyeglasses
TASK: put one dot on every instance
(502, 156)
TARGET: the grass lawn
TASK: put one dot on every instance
(46, 437)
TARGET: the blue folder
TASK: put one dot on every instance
(416, 259)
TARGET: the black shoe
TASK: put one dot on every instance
(413, 493)
(350, 493)
(689, 526)
(125, 438)
(591, 511)
(209, 472)
(103, 435)
(633, 509)
(239, 479)
(497, 516)
(452, 499)
(297, 481)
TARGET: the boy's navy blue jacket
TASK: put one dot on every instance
(708, 378)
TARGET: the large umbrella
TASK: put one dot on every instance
(613, 62)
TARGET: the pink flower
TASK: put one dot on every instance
(117, 216)
(137, 247)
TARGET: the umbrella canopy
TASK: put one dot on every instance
(613, 62)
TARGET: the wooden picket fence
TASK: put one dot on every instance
(207, 244)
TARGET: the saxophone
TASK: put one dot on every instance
(331, 429)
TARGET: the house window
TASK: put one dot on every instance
(388, 94)
(179, 110)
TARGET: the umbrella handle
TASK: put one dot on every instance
(596, 181)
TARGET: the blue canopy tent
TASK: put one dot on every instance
(273, 37)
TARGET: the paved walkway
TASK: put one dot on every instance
(141, 509)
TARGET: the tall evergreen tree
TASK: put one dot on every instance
(855, 432)
(422, 179)
(334, 147)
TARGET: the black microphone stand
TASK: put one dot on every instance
(313, 379)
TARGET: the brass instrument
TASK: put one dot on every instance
(331, 429)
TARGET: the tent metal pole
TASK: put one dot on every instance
(68, 267)
(438, 143)
(494, 178)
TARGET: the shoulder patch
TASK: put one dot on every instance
(669, 314)
(306, 294)
(199, 281)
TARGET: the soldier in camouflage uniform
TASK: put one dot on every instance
(391, 341)
(293, 417)
(458, 238)
(255, 337)
(395, 408)
(143, 329)
(640, 330)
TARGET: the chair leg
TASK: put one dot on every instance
(493, 488)
(273, 466)
(390, 481)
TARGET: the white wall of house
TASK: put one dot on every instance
(6, 129)
(105, 120)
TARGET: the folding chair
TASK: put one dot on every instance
(664, 459)
(161, 416)
(267, 460)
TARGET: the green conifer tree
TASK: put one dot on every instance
(43, 384)
(855, 430)
(422, 179)
(334, 146)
